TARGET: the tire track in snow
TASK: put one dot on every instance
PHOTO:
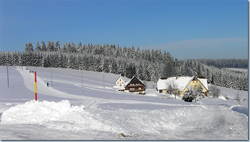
(111, 90)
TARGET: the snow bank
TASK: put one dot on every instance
(57, 115)
(240, 109)
(36, 112)
(151, 94)
(222, 97)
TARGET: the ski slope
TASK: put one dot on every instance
(83, 105)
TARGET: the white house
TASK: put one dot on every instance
(181, 84)
(120, 82)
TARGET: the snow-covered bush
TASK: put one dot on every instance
(188, 96)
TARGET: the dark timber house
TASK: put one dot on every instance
(135, 86)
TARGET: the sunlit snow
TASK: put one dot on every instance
(88, 107)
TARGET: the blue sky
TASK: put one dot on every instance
(188, 29)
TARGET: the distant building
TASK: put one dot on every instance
(182, 84)
(135, 86)
(120, 82)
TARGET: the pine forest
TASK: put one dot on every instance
(146, 64)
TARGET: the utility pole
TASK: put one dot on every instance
(7, 76)
(82, 77)
(82, 82)
(103, 81)
(51, 76)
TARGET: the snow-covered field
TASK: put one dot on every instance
(238, 70)
(94, 110)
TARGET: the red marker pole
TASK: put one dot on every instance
(35, 88)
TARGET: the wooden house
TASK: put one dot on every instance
(135, 86)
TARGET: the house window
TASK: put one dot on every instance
(131, 89)
(140, 88)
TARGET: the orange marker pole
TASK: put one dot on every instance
(35, 88)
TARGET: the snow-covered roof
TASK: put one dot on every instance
(126, 83)
(203, 82)
(123, 78)
(181, 82)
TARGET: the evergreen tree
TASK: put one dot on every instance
(50, 46)
(188, 96)
(57, 46)
(79, 47)
(44, 46)
(64, 48)
(38, 47)
(147, 64)
(15, 57)
(29, 47)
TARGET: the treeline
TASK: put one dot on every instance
(225, 63)
(149, 65)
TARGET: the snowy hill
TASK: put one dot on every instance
(83, 105)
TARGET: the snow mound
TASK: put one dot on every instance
(36, 112)
(56, 115)
(151, 94)
(222, 97)
(240, 109)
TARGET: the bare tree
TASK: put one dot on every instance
(173, 88)
(237, 98)
(214, 91)
(170, 89)
(200, 92)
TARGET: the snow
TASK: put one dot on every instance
(97, 111)
(42, 113)
(181, 82)
(222, 97)
(240, 109)
(123, 78)
(203, 82)
(238, 70)
(36, 112)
